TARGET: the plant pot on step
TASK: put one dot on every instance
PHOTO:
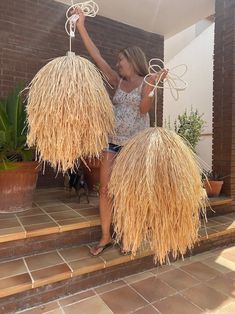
(92, 175)
(213, 188)
(17, 186)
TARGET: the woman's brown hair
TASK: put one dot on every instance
(137, 58)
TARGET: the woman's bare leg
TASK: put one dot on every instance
(105, 202)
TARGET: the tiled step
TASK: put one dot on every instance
(220, 205)
(200, 284)
(57, 220)
(36, 279)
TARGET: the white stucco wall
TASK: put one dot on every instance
(197, 53)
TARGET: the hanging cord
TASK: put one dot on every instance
(173, 81)
(89, 8)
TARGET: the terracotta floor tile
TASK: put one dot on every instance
(206, 297)
(88, 212)
(229, 309)
(230, 275)
(231, 215)
(64, 215)
(179, 262)
(231, 225)
(177, 304)
(213, 263)
(79, 206)
(229, 254)
(56, 311)
(86, 265)
(178, 279)
(212, 223)
(93, 220)
(138, 277)
(50, 275)
(15, 284)
(11, 234)
(206, 232)
(202, 256)
(222, 227)
(222, 219)
(153, 289)
(93, 305)
(73, 223)
(223, 284)
(31, 212)
(149, 309)
(34, 220)
(9, 223)
(41, 229)
(47, 202)
(225, 263)
(110, 286)
(76, 297)
(130, 300)
(7, 216)
(73, 254)
(45, 308)
(55, 208)
(162, 269)
(12, 268)
(44, 260)
(200, 271)
(112, 257)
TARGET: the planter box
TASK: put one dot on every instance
(17, 187)
(213, 188)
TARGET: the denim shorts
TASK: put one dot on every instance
(113, 148)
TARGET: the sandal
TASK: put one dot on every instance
(98, 249)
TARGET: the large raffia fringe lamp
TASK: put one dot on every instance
(157, 194)
(69, 110)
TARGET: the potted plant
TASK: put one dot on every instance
(213, 183)
(18, 173)
(190, 126)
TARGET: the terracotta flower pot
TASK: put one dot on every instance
(92, 176)
(213, 188)
(17, 186)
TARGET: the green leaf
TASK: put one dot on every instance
(12, 123)
(2, 138)
(27, 155)
(4, 122)
(14, 108)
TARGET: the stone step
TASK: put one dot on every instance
(57, 220)
(40, 278)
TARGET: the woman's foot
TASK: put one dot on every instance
(124, 252)
(98, 249)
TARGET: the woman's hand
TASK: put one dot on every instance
(80, 22)
(159, 75)
(163, 74)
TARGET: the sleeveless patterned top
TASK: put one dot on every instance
(128, 118)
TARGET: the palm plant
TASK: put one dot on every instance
(13, 130)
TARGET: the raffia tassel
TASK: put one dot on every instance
(157, 194)
(69, 112)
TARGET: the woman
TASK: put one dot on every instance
(131, 106)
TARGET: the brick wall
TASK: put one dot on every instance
(32, 32)
(224, 94)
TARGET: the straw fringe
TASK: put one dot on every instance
(69, 112)
(157, 194)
